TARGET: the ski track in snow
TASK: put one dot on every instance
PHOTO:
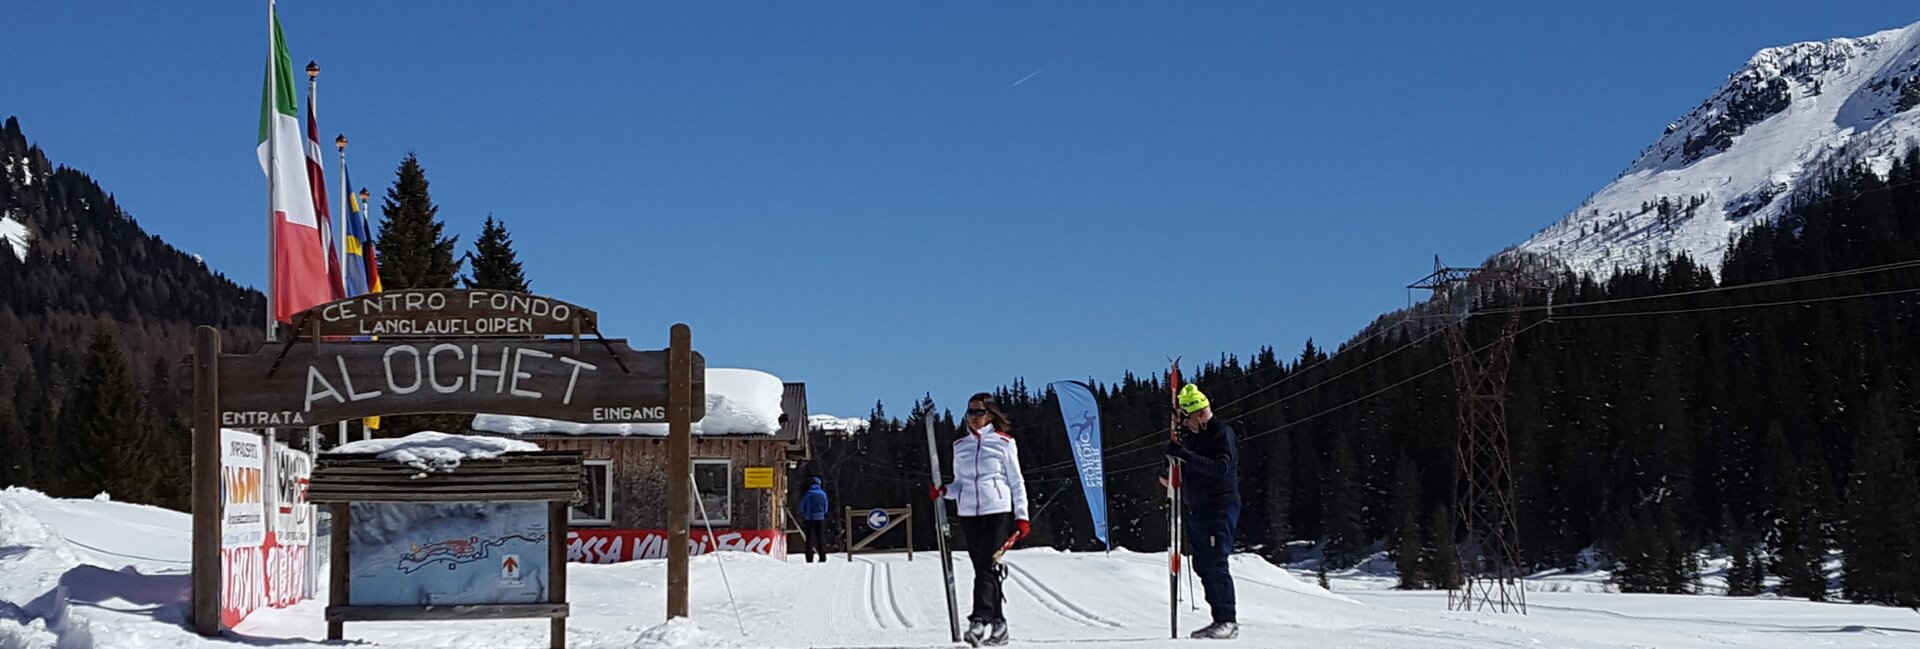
(879, 586)
(893, 599)
(1060, 604)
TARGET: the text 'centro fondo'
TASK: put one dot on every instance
(449, 313)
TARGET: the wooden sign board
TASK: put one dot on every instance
(323, 383)
(758, 477)
(447, 313)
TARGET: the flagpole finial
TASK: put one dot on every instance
(341, 142)
(313, 70)
(363, 196)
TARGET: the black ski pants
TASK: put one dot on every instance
(816, 533)
(984, 536)
(1209, 532)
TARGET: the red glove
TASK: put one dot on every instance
(1021, 529)
(936, 492)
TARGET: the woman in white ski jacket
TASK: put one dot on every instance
(990, 497)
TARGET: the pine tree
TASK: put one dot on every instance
(1442, 552)
(105, 446)
(413, 254)
(1882, 540)
(37, 426)
(1744, 576)
(1793, 515)
(1407, 554)
(1346, 537)
(172, 440)
(15, 454)
(495, 265)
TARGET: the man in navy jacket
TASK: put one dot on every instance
(813, 520)
(1210, 490)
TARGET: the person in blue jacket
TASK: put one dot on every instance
(1210, 491)
(813, 520)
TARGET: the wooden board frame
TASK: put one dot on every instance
(678, 382)
(307, 383)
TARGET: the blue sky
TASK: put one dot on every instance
(887, 199)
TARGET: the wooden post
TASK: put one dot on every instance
(909, 513)
(206, 481)
(337, 594)
(557, 568)
(679, 465)
(848, 528)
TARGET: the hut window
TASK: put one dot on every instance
(713, 485)
(598, 489)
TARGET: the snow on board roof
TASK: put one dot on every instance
(739, 402)
(436, 452)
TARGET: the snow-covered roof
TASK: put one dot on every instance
(739, 402)
(436, 452)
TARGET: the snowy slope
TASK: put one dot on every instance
(14, 233)
(1772, 131)
(124, 567)
(838, 425)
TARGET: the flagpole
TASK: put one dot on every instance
(346, 214)
(273, 243)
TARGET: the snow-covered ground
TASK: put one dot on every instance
(124, 571)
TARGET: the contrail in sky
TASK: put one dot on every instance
(1030, 76)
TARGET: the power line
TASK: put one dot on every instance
(1593, 316)
(1145, 442)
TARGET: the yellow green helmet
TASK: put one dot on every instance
(1191, 399)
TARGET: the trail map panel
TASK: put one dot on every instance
(459, 554)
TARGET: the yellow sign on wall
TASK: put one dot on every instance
(759, 477)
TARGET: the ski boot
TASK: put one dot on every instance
(998, 635)
(1218, 631)
(976, 631)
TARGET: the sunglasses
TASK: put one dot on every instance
(976, 412)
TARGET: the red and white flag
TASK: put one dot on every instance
(299, 263)
(317, 179)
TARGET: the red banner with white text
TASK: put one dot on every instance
(614, 546)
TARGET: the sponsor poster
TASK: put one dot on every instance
(243, 518)
(292, 516)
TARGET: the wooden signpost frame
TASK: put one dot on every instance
(552, 477)
(895, 518)
(667, 386)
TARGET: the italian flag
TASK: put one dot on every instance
(299, 263)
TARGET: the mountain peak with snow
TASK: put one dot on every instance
(1765, 139)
